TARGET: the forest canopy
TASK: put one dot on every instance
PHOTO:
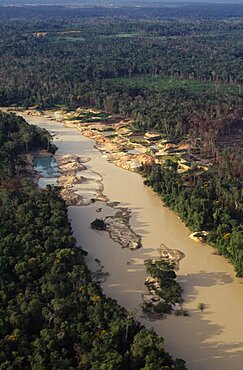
(176, 71)
(52, 314)
(188, 88)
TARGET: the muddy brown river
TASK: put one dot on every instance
(208, 340)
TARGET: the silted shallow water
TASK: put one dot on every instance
(47, 168)
(208, 340)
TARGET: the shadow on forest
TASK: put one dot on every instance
(196, 337)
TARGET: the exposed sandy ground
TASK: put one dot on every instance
(208, 340)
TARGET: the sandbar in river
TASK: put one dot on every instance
(208, 340)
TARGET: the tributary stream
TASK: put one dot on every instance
(207, 340)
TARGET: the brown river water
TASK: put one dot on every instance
(207, 340)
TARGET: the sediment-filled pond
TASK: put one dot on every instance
(47, 169)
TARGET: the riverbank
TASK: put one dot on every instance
(120, 144)
(46, 287)
(82, 187)
(215, 340)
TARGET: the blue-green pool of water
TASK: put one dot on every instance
(48, 169)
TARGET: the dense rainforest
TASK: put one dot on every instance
(179, 73)
(210, 201)
(179, 76)
(174, 70)
(52, 315)
(192, 71)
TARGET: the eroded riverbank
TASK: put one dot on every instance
(208, 340)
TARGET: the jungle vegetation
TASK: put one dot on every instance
(179, 73)
(52, 314)
(209, 201)
(164, 285)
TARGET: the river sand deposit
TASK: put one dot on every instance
(207, 340)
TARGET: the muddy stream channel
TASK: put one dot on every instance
(207, 340)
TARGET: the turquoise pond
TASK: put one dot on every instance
(48, 169)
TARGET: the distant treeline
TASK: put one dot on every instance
(189, 82)
(180, 77)
(147, 10)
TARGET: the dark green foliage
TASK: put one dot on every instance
(98, 224)
(169, 290)
(188, 84)
(188, 87)
(179, 108)
(52, 315)
(17, 138)
(201, 306)
(211, 201)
